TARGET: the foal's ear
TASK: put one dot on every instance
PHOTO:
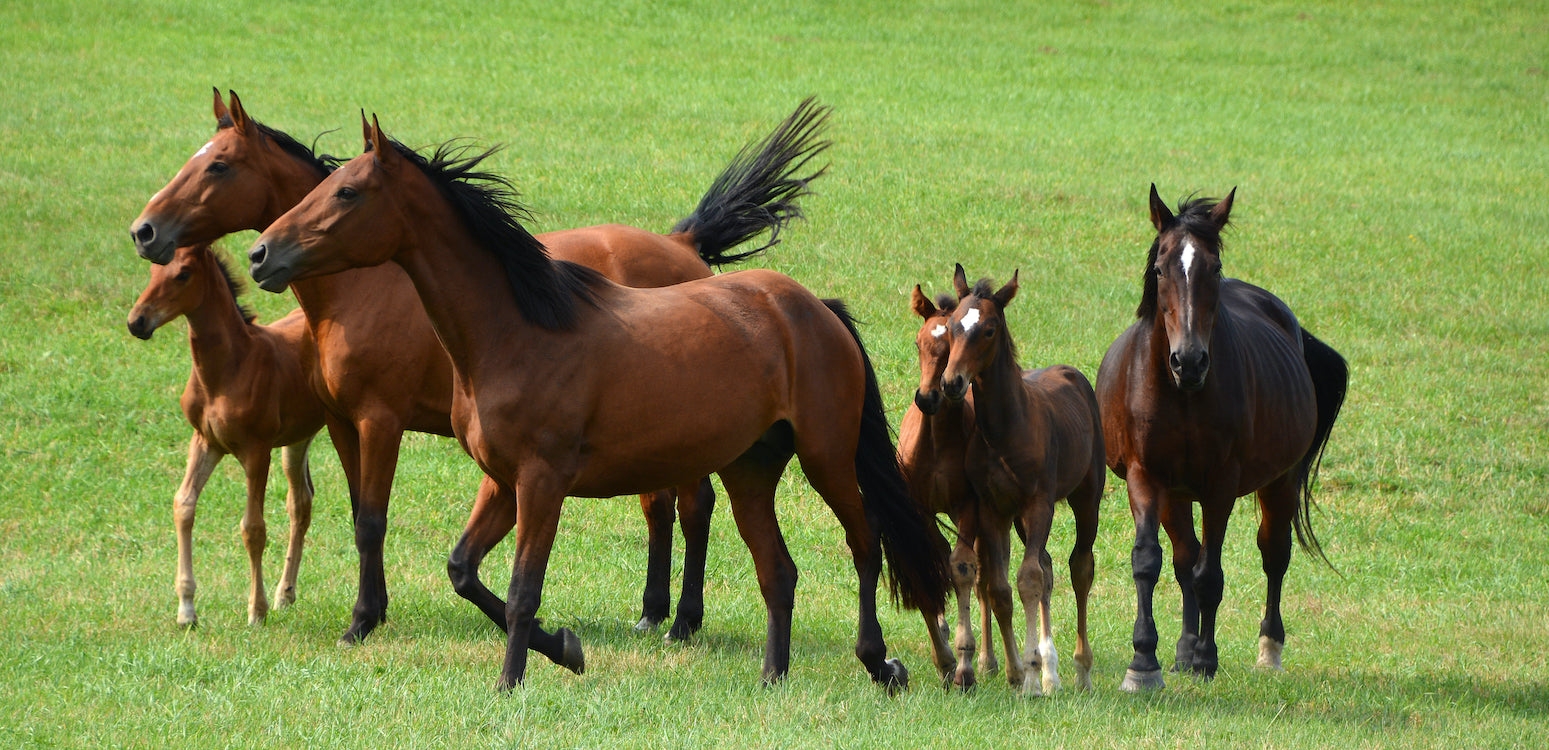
(960, 282)
(922, 304)
(221, 113)
(1161, 216)
(385, 155)
(239, 118)
(1007, 292)
(1223, 210)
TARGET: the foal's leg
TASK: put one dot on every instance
(298, 504)
(994, 561)
(695, 505)
(494, 513)
(1145, 494)
(1035, 582)
(966, 576)
(750, 482)
(202, 459)
(1278, 504)
(255, 533)
(380, 438)
(1085, 503)
(1178, 520)
(657, 507)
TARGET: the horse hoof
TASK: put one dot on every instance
(1269, 654)
(897, 678)
(965, 680)
(574, 658)
(646, 625)
(1139, 682)
(681, 630)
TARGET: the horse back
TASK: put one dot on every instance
(629, 255)
(1068, 405)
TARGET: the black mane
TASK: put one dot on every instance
(233, 285)
(1193, 219)
(546, 291)
(323, 163)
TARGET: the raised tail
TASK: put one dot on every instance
(913, 545)
(759, 189)
(1330, 376)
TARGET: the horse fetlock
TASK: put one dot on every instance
(187, 618)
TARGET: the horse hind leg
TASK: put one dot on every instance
(255, 533)
(696, 503)
(202, 459)
(1084, 504)
(298, 505)
(1277, 508)
(655, 599)
(750, 482)
(1034, 586)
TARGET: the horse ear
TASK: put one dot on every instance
(380, 145)
(960, 281)
(365, 130)
(1007, 292)
(239, 118)
(922, 304)
(221, 113)
(1161, 216)
(1223, 210)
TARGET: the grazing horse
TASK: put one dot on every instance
(248, 393)
(1215, 391)
(384, 371)
(932, 448)
(1037, 440)
(733, 374)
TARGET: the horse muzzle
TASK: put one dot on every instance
(955, 388)
(152, 244)
(928, 402)
(268, 268)
(141, 327)
(1189, 368)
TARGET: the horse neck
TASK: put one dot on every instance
(1000, 399)
(290, 180)
(218, 336)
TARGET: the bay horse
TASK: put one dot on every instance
(248, 394)
(383, 371)
(1037, 440)
(732, 374)
(1215, 391)
(933, 443)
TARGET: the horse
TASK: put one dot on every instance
(932, 444)
(1214, 392)
(248, 393)
(384, 371)
(733, 374)
(1037, 439)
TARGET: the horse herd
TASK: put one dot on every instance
(611, 360)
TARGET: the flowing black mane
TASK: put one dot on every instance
(323, 163)
(546, 291)
(233, 285)
(1193, 219)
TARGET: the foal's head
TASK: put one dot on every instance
(978, 332)
(1183, 282)
(229, 184)
(194, 277)
(933, 345)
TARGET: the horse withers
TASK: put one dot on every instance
(1215, 391)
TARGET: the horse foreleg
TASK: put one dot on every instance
(656, 600)
(1278, 503)
(539, 502)
(1209, 583)
(1178, 520)
(964, 565)
(1144, 672)
(379, 443)
(1034, 585)
(986, 662)
(346, 443)
(494, 513)
(255, 533)
(201, 462)
(298, 505)
(994, 562)
(696, 503)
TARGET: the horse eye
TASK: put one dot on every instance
(217, 167)
(184, 274)
(345, 194)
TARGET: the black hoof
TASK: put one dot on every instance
(574, 658)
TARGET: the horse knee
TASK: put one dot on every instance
(1146, 562)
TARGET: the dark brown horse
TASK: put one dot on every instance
(733, 374)
(1214, 392)
(1037, 440)
(384, 371)
(249, 393)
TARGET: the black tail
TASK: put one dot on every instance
(758, 190)
(913, 545)
(1330, 376)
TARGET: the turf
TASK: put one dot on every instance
(1389, 160)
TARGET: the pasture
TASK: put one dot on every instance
(1389, 161)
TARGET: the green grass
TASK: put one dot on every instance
(1389, 159)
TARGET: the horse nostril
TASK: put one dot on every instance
(257, 254)
(1174, 362)
(1204, 361)
(144, 234)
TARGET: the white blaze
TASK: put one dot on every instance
(1188, 258)
(970, 319)
(202, 149)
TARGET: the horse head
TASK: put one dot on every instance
(1184, 282)
(977, 329)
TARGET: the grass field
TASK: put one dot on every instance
(1390, 161)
